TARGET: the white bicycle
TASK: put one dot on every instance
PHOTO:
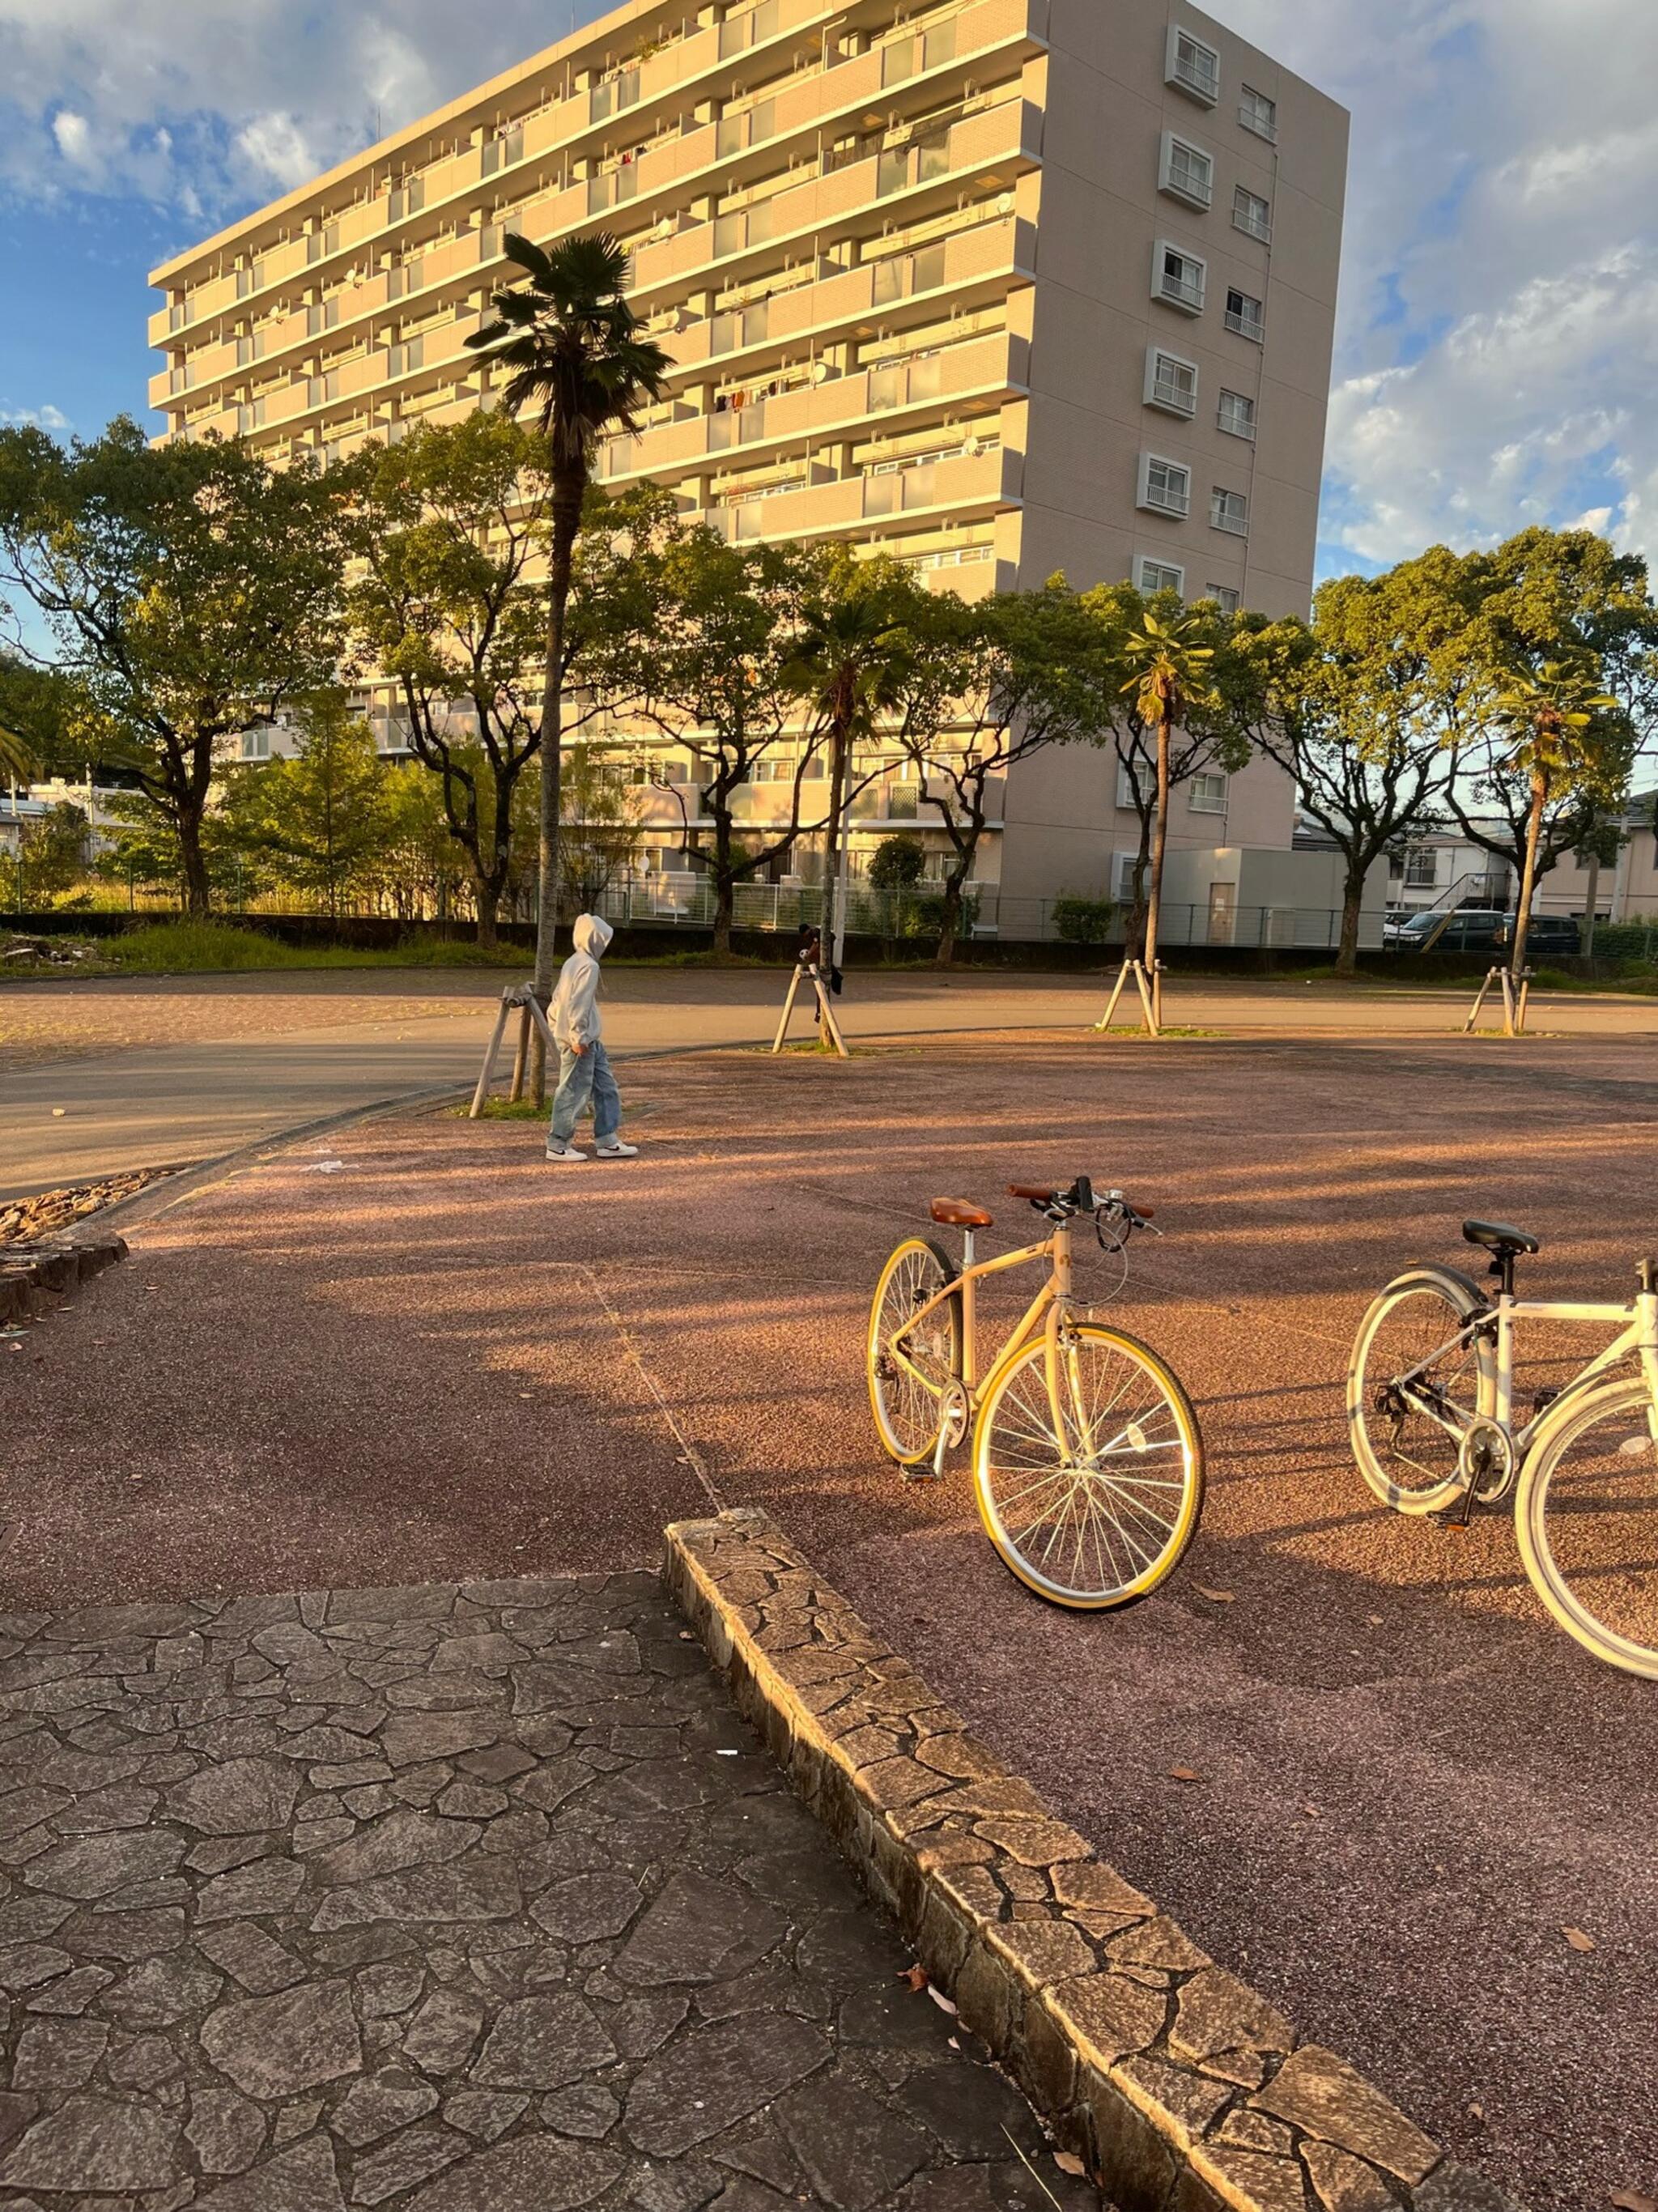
(1431, 1415)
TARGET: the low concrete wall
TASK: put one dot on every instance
(1180, 2087)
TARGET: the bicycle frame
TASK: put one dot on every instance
(1499, 1326)
(1053, 1299)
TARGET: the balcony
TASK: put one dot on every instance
(995, 364)
(965, 485)
(801, 106)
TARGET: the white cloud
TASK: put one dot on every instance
(74, 136)
(34, 418)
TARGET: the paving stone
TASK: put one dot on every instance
(699, 1930)
(1320, 2093)
(251, 1957)
(485, 2113)
(250, 1892)
(853, 2147)
(588, 1907)
(384, 1989)
(71, 1993)
(126, 1805)
(159, 1991)
(415, 2156)
(587, 2109)
(443, 2032)
(89, 2144)
(400, 1839)
(410, 1738)
(274, 2046)
(302, 2179)
(709, 2079)
(226, 2130)
(378, 2103)
(58, 2054)
(144, 2064)
(97, 1866)
(529, 2174)
(542, 2043)
(26, 1966)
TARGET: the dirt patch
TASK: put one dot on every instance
(50, 1211)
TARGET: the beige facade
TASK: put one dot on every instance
(1002, 287)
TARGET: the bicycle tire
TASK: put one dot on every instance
(1459, 1299)
(916, 1270)
(1165, 1421)
(1548, 1523)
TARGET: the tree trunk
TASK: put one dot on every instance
(832, 845)
(949, 921)
(1353, 903)
(724, 901)
(192, 864)
(1159, 843)
(568, 494)
(1539, 799)
(488, 907)
(1592, 900)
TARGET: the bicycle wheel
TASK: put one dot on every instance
(906, 1405)
(1413, 1385)
(1095, 1508)
(1587, 1517)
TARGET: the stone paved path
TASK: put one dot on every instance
(464, 1899)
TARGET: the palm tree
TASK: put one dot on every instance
(1169, 678)
(1545, 716)
(573, 345)
(848, 660)
(16, 764)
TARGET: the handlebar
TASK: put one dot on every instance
(1080, 1198)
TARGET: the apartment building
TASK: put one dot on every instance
(1000, 287)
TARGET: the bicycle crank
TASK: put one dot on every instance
(1486, 1463)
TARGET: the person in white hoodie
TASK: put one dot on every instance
(584, 1069)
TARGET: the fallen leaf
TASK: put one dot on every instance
(1215, 1596)
(915, 1977)
(1183, 1774)
(1312, 1812)
(1578, 1938)
(1374, 1619)
(1068, 2162)
(941, 2000)
(1476, 2112)
(1631, 2200)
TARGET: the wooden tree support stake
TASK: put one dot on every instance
(810, 972)
(1516, 1002)
(1148, 983)
(533, 1019)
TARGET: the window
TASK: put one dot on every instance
(1170, 383)
(1193, 66)
(1165, 486)
(1186, 172)
(1245, 315)
(1226, 597)
(1127, 863)
(1158, 576)
(1422, 869)
(408, 199)
(1251, 215)
(256, 745)
(1237, 414)
(1258, 113)
(1229, 511)
(1178, 278)
(1125, 798)
(1208, 793)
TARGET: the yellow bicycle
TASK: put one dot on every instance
(1087, 1459)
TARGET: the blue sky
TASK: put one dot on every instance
(1498, 342)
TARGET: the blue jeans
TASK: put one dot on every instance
(583, 1079)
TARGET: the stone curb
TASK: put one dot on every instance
(35, 1276)
(1181, 2089)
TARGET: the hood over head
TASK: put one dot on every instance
(592, 934)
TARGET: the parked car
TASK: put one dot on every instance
(1480, 929)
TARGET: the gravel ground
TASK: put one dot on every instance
(464, 1363)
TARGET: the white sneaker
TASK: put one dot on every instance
(566, 1156)
(615, 1150)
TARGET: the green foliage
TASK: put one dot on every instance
(321, 818)
(1084, 921)
(896, 864)
(191, 589)
(51, 856)
(602, 808)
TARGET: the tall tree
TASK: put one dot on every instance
(1562, 734)
(1214, 738)
(322, 818)
(1168, 680)
(449, 602)
(990, 685)
(851, 660)
(571, 344)
(717, 671)
(1356, 710)
(191, 589)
